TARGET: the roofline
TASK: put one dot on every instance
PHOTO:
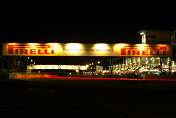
(157, 30)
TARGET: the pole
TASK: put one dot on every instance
(111, 65)
(161, 70)
(170, 65)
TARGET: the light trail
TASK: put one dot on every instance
(89, 78)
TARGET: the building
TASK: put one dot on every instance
(149, 65)
(157, 36)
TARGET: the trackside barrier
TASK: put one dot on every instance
(24, 75)
(4, 75)
(152, 76)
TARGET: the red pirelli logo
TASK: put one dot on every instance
(31, 49)
(144, 50)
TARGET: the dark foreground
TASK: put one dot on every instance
(87, 98)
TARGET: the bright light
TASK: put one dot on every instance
(142, 46)
(42, 67)
(49, 67)
(77, 71)
(143, 37)
(150, 70)
(120, 45)
(101, 47)
(98, 62)
(154, 70)
(32, 45)
(87, 65)
(141, 33)
(69, 67)
(74, 47)
(56, 46)
(56, 67)
(83, 68)
(75, 67)
(63, 67)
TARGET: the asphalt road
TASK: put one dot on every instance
(87, 98)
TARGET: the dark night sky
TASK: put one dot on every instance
(82, 29)
(87, 29)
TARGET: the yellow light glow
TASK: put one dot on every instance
(49, 67)
(120, 45)
(74, 47)
(75, 67)
(141, 33)
(32, 45)
(77, 49)
(43, 67)
(69, 67)
(101, 46)
(83, 68)
(36, 67)
(56, 46)
(141, 46)
(63, 67)
(14, 43)
(56, 67)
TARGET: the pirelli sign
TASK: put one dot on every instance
(80, 49)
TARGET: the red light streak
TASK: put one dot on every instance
(89, 78)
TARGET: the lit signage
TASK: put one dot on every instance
(79, 49)
(30, 49)
(158, 50)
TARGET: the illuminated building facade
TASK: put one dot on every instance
(155, 51)
(149, 65)
(154, 65)
(62, 67)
